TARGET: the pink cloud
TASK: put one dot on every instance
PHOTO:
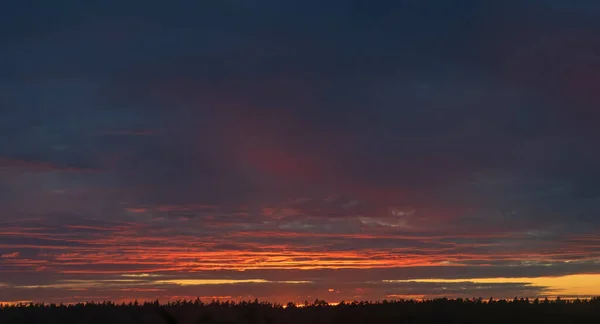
(10, 255)
(136, 210)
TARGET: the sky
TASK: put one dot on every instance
(294, 150)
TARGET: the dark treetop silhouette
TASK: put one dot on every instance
(403, 311)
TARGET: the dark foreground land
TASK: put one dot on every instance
(196, 312)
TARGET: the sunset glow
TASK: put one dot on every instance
(293, 151)
(584, 285)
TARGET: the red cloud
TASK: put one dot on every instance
(10, 255)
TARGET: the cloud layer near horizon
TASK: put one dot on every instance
(307, 146)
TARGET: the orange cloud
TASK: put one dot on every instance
(136, 210)
(10, 255)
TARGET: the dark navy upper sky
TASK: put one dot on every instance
(320, 146)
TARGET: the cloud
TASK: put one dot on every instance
(202, 282)
(10, 255)
(149, 247)
(35, 166)
(131, 132)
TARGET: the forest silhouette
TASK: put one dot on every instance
(443, 310)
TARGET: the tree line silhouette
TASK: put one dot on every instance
(442, 310)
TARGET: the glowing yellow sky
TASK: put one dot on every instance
(571, 285)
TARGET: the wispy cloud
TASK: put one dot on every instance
(147, 132)
(202, 282)
(39, 166)
(10, 255)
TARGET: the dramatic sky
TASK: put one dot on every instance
(293, 150)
